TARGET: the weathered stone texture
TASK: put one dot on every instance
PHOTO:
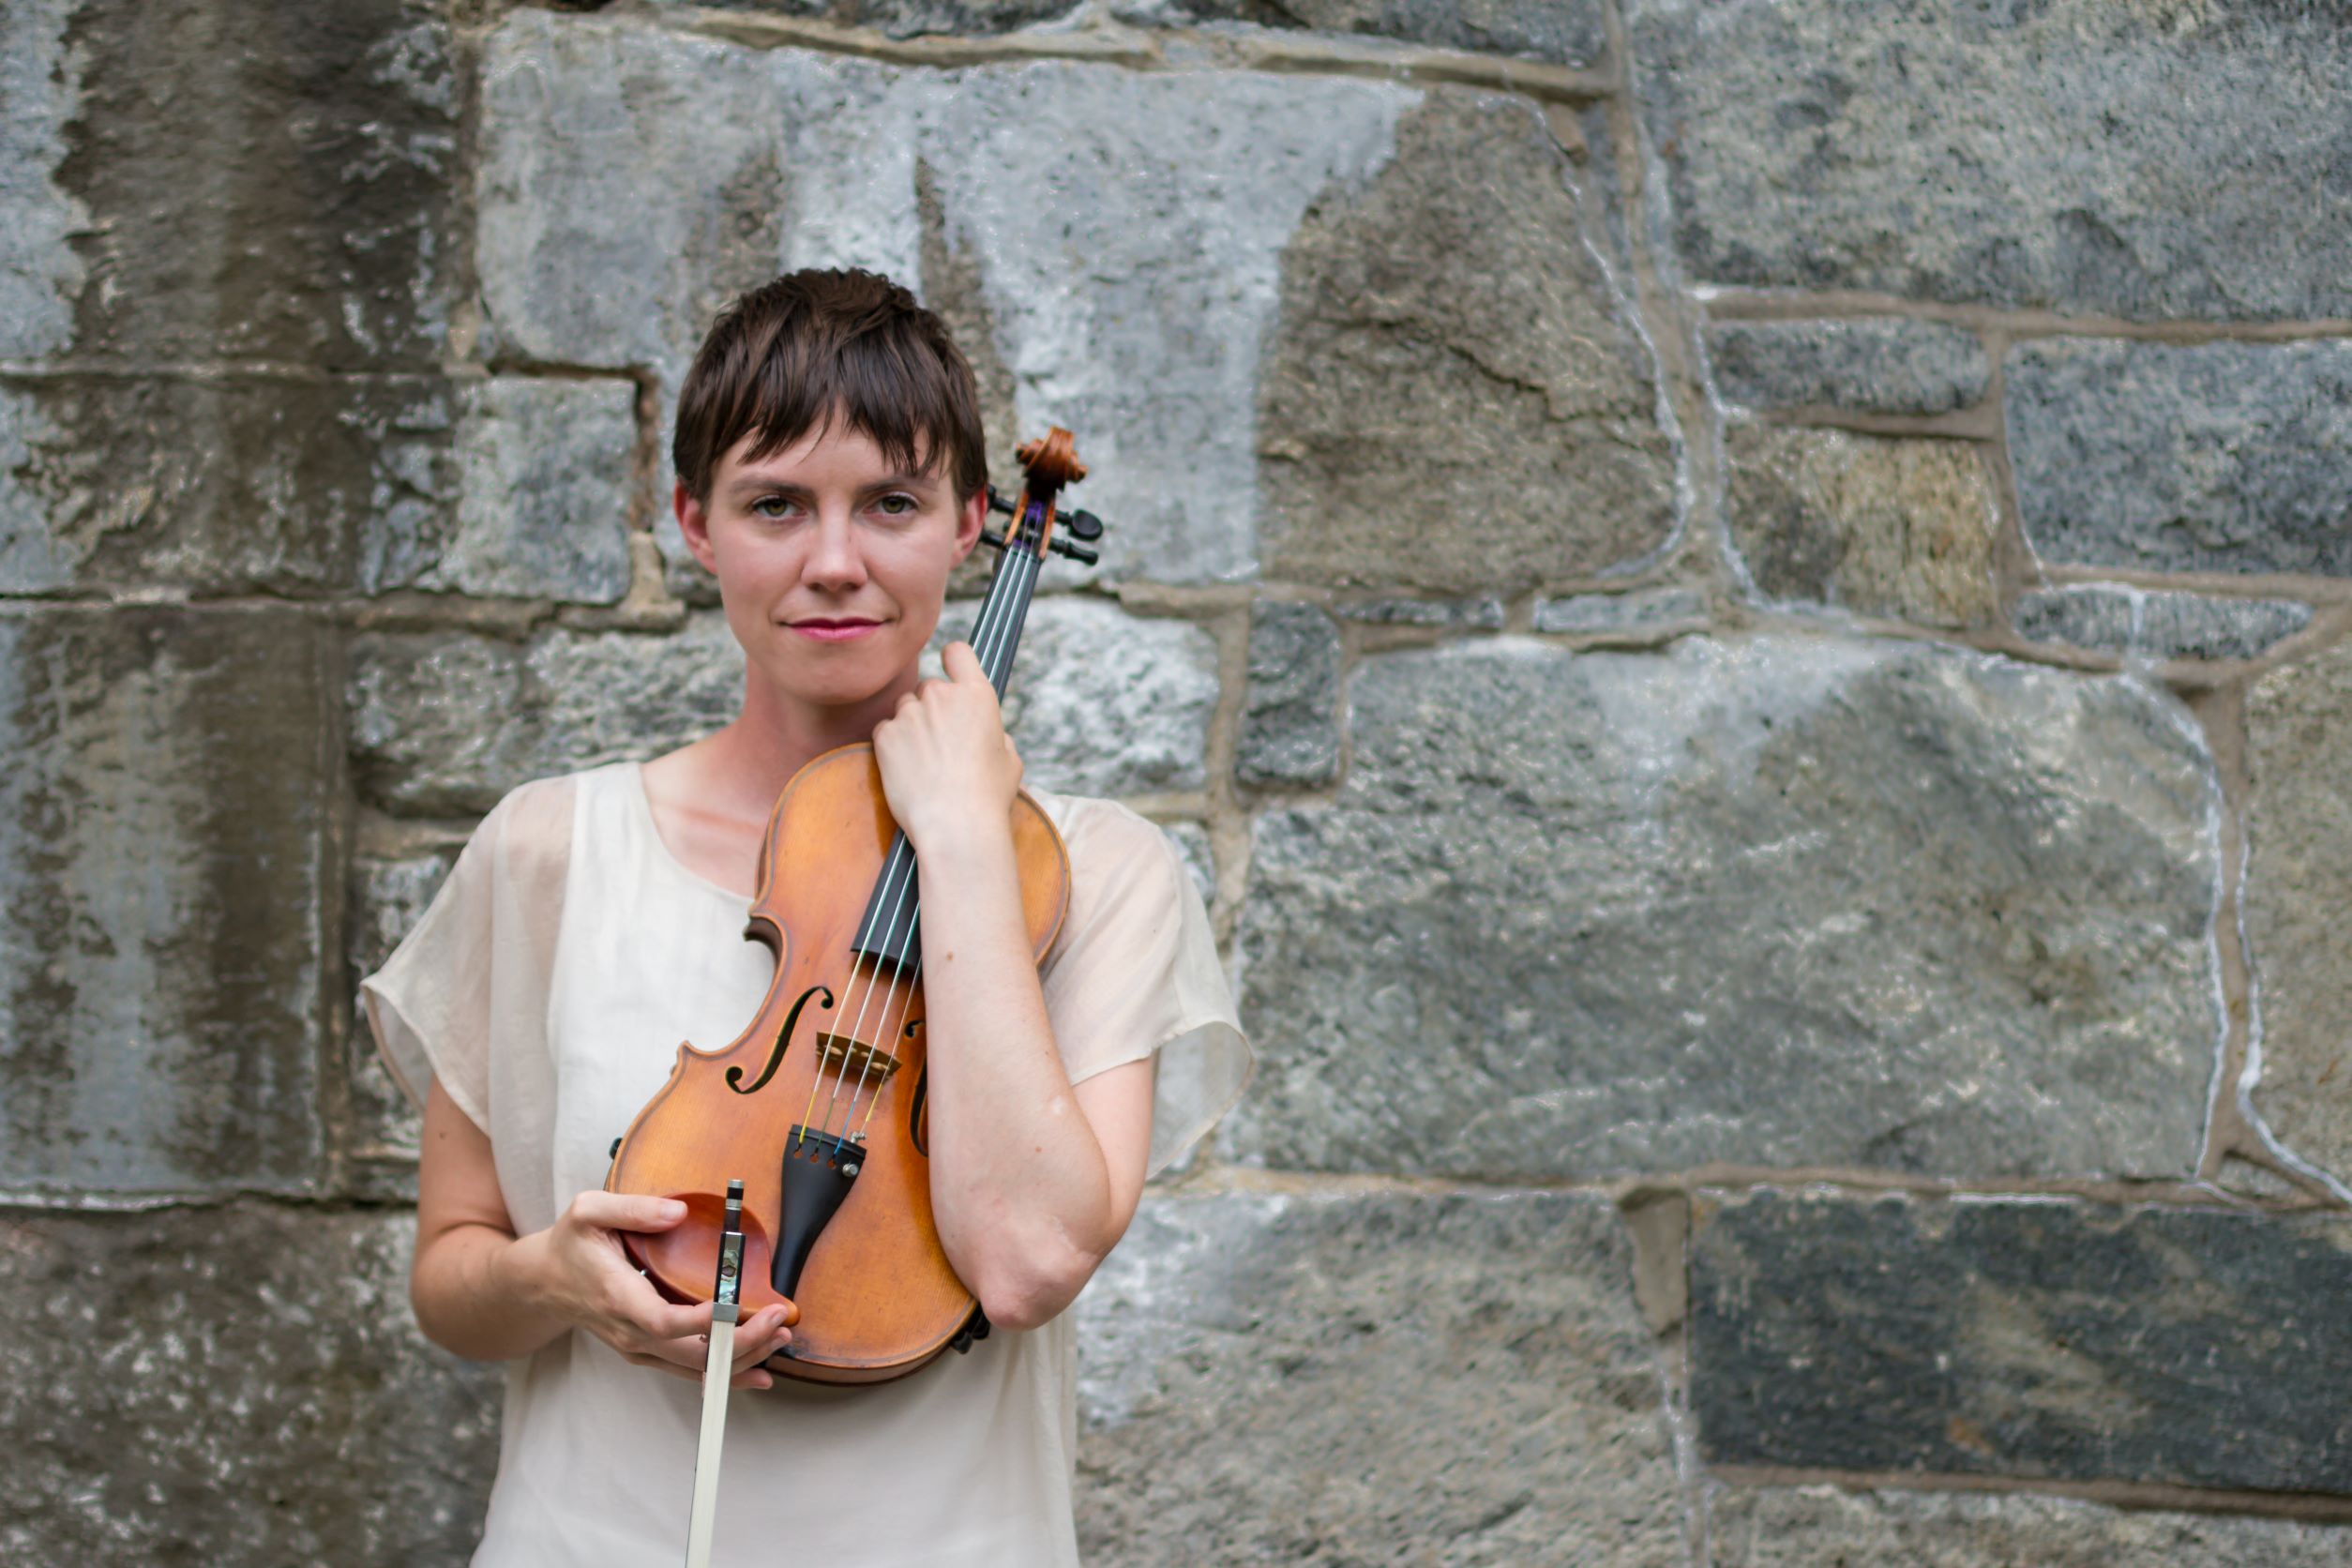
(903, 19)
(1455, 403)
(2299, 891)
(1891, 366)
(1642, 613)
(1975, 152)
(228, 1385)
(2215, 457)
(2157, 625)
(1290, 714)
(39, 272)
(1102, 703)
(1137, 322)
(1780, 900)
(447, 722)
(1564, 32)
(164, 838)
(1390, 1377)
(2045, 1339)
(264, 179)
(504, 486)
(1484, 612)
(386, 899)
(1879, 525)
(1807, 1526)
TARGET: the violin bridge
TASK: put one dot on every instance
(852, 1055)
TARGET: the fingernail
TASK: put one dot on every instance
(672, 1209)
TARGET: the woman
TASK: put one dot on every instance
(830, 476)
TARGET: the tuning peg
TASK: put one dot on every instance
(998, 502)
(991, 537)
(1080, 553)
(1082, 525)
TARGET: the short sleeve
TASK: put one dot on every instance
(469, 983)
(1136, 975)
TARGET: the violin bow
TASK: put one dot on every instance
(718, 1372)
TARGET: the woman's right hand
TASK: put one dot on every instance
(576, 1271)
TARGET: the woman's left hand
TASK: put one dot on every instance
(948, 768)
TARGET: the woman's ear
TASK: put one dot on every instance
(694, 522)
(970, 521)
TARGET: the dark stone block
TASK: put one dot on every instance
(264, 179)
(1889, 365)
(1291, 717)
(165, 822)
(2041, 1339)
(1565, 32)
(902, 18)
(193, 1388)
(2212, 457)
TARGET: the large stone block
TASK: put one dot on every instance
(165, 820)
(262, 179)
(1806, 1527)
(1778, 900)
(1316, 1380)
(2298, 887)
(2211, 458)
(1456, 400)
(446, 722)
(232, 1385)
(2119, 619)
(1136, 317)
(1885, 526)
(1290, 714)
(383, 902)
(1102, 703)
(1564, 32)
(506, 486)
(902, 18)
(2023, 1338)
(1971, 152)
(1884, 366)
(39, 272)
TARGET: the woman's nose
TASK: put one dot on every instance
(834, 560)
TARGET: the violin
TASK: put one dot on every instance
(819, 1106)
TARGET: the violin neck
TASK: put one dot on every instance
(890, 934)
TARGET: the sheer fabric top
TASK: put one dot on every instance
(548, 986)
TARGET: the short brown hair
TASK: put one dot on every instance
(807, 348)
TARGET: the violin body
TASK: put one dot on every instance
(818, 1107)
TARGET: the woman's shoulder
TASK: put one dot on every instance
(1104, 832)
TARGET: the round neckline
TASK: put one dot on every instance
(662, 850)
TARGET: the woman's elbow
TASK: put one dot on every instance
(1031, 1292)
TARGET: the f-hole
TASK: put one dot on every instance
(918, 1126)
(783, 1039)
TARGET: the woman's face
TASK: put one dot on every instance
(832, 564)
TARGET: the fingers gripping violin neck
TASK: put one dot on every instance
(819, 1105)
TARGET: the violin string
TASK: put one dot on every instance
(904, 996)
(990, 637)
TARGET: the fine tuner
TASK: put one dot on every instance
(1080, 524)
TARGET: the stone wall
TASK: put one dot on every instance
(1746, 610)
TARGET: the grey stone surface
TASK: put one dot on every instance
(1198, 855)
(231, 1385)
(446, 722)
(2298, 889)
(1806, 1527)
(1640, 613)
(165, 820)
(2212, 457)
(1882, 525)
(1383, 1378)
(1102, 703)
(263, 179)
(287, 486)
(1454, 402)
(903, 19)
(1975, 152)
(1446, 614)
(2126, 620)
(40, 273)
(1883, 366)
(1775, 899)
(386, 899)
(1290, 710)
(2023, 1338)
(1135, 318)
(1565, 32)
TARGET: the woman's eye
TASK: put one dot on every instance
(897, 505)
(772, 507)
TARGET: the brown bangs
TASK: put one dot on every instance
(811, 347)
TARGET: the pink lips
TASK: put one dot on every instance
(834, 631)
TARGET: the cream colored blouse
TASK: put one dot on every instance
(547, 987)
